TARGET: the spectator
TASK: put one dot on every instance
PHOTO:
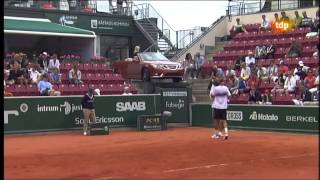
(282, 71)
(252, 81)
(265, 24)
(250, 59)
(237, 28)
(217, 73)
(136, 51)
(24, 60)
(266, 97)
(16, 75)
(126, 91)
(199, 62)
(254, 96)
(244, 76)
(305, 97)
(230, 71)
(34, 73)
(306, 21)
(262, 73)
(276, 19)
(297, 19)
(295, 50)
(75, 75)
(278, 86)
(53, 63)
(284, 17)
(239, 60)
(233, 84)
(43, 61)
(188, 65)
(315, 90)
(55, 76)
(309, 80)
(300, 72)
(45, 87)
(290, 84)
(272, 70)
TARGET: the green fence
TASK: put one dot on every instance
(282, 118)
(30, 114)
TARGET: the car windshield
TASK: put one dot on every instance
(152, 56)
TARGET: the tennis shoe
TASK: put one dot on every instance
(84, 133)
(225, 138)
(215, 136)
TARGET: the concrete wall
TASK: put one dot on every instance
(256, 18)
(208, 40)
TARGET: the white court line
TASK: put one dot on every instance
(227, 164)
(103, 178)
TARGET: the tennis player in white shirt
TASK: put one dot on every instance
(219, 95)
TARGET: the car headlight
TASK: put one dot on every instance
(159, 66)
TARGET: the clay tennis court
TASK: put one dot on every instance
(178, 153)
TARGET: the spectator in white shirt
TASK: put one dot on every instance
(34, 74)
(262, 73)
(265, 24)
(289, 84)
(75, 75)
(244, 76)
(126, 91)
(53, 63)
(250, 59)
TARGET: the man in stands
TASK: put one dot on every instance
(254, 96)
(233, 84)
(306, 21)
(237, 28)
(300, 72)
(276, 18)
(244, 76)
(262, 73)
(309, 80)
(198, 63)
(252, 81)
(272, 70)
(43, 61)
(34, 73)
(53, 63)
(250, 61)
(16, 75)
(45, 87)
(265, 24)
(284, 17)
(295, 49)
(297, 19)
(290, 84)
(282, 71)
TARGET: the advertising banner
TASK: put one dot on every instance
(98, 24)
(287, 118)
(176, 101)
(60, 113)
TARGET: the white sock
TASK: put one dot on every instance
(226, 131)
(219, 133)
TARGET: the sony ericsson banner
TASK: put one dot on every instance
(289, 118)
(58, 113)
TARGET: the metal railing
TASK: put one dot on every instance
(249, 7)
(213, 25)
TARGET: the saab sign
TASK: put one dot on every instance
(131, 106)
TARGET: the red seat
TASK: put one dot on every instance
(20, 90)
(100, 78)
(32, 90)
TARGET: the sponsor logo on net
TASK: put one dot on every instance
(234, 116)
(178, 105)
(263, 117)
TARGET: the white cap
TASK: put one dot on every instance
(45, 53)
(97, 91)
(300, 63)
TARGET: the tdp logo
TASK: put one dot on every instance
(130, 106)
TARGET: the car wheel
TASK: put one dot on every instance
(146, 74)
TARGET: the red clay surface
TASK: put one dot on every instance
(178, 153)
